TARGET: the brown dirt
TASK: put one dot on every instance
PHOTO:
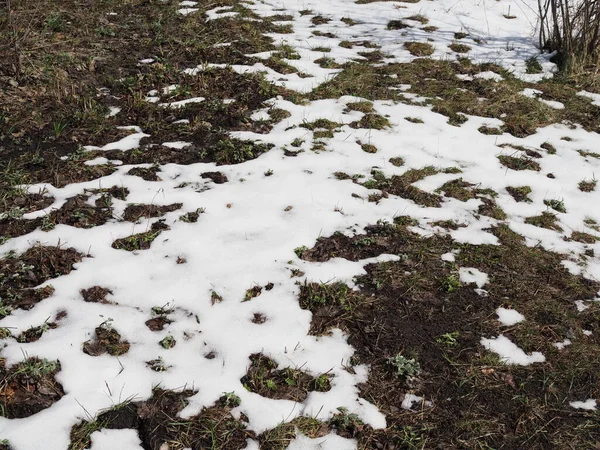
(140, 241)
(34, 333)
(280, 437)
(133, 213)
(117, 192)
(478, 401)
(106, 340)
(259, 318)
(10, 228)
(77, 213)
(35, 266)
(51, 105)
(24, 392)
(216, 177)
(33, 202)
(402, 186)
(146, 173)
(95, 294)
(157, 423)
(290, 384)
(158, 323)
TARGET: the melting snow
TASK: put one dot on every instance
(510, 353)
(589, 404)
(509, 317)
(470, 275)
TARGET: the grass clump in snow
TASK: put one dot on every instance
(321, 124)
(401, 185)
(367, 148)
(33, 334)
(520, 163)
(28, 387)
(459, 48)
(545, 220)
(458, 189)
(36, 368)
(106, 340)
(280, 437)
(455, 98)
(371, 121)
(489, 130)
(584, 238)
(19, 275)
(397, 25)
(419, 48)
(520, 193)
(587, 185)
(80, 434)
(345, 422)
(327, 63)
(362, 106)
(555, 204)
(314, 295)
(265, 379)
(168, 342)
(158, 424)
(532, 65)
(140, 241)
(418, 18)
(235, 151)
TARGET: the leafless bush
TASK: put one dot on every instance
(572, 28)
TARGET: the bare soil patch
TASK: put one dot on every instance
(418, 309)
(37, 265)
(28, 387)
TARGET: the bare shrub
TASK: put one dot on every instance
(572, 29)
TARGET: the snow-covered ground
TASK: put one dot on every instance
(250, 226)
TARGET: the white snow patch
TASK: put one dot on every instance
(329, 442)
(553, 104)
(531, 93)
(489, 75)
(581, 305)
(509, 317)
(220, 12)
(510, 353)
(470, 275)
(589, 404)
(177, 144)
(448, 257)
(563, 344)
(129, 142)
(595, 98)
(410, 399)
(182, 103)
(186, 11)
(124, 439)
(96, 161)
(113, 111)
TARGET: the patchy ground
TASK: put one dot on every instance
(338, 225)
